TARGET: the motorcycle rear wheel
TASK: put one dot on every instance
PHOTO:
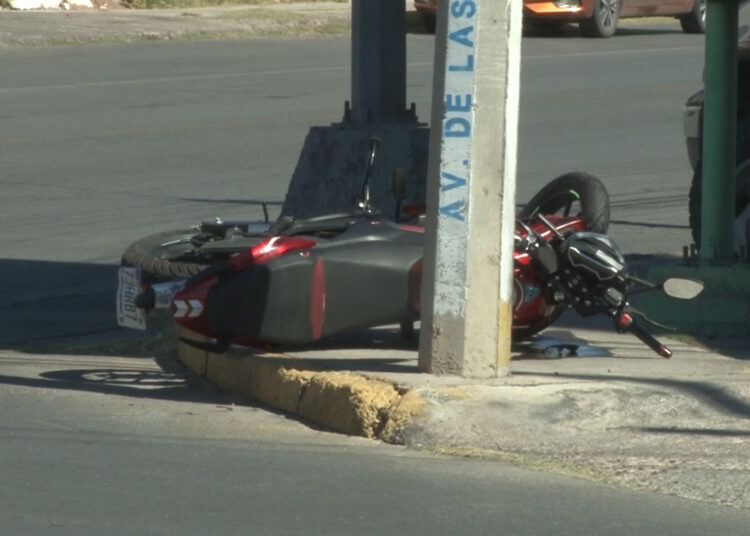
(573, 194)
(167, 256)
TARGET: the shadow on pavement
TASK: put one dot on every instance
(570, 31)
(716, 432)
(233, 201)
(46, 301)
(151, 384)
(636, 31)
(63, 307)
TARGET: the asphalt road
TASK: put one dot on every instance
(114, 446)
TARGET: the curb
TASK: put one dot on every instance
(342, 402)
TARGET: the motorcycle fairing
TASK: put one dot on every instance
(361, 278)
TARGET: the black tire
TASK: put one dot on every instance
(429, 20)
(166, 255)
(695, 21)
(573, 194)
(544, 26)
(742, 181)
(603, 21)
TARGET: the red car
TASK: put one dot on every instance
(596, 18)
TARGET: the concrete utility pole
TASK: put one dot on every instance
(468, 267)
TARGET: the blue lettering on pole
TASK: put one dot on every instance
(453, 103)
(465, 8)
(457, 127)
(453, 181)
(462, 36)
(468, 67)
(459, 106)
(454, 210)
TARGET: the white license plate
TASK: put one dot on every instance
(128, 315)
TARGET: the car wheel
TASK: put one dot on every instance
(430, 22)
(742, 183)
(695, 21)
(603, 21)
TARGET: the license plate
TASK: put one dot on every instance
(128, 315)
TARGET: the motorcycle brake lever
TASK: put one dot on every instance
(648, 285)
(642, 316)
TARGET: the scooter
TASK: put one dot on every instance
(293, 282)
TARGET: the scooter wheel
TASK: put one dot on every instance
(573, 194)
(167, 255)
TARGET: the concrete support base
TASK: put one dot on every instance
(721, 310)
(331, 167)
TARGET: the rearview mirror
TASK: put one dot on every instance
(682, 288)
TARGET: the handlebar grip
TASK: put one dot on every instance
(626, 322)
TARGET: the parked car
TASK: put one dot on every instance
(692, 117)
(596, 18)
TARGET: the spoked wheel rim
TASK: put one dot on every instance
(608, 12)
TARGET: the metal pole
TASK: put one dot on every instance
(378, 61)
(719, 132)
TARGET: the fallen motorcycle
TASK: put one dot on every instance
(294, 281)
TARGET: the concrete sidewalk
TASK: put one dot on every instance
(615, 413)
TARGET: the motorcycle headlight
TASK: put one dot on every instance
(595, 255)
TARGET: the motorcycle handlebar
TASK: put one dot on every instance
(625, 322)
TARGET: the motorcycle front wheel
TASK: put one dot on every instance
(575, 194)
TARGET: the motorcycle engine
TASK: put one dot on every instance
(592, 273)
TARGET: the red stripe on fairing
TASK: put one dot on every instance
(318, 300)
